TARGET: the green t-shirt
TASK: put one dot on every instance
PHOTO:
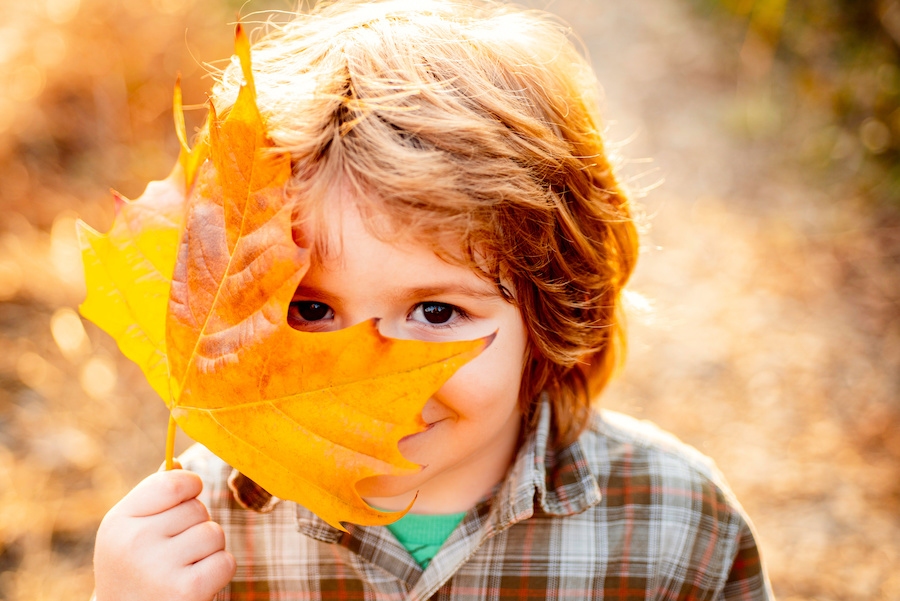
(423, 535)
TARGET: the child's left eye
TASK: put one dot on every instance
(436, 313)
(303, 314)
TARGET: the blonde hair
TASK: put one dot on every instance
(477, 120)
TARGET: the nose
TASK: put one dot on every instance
(391, 328)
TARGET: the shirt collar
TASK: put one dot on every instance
(542, 479)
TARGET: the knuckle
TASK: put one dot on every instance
(209, 576)
(198, 582)
(224, 567)
(229, 566)
(179, 484)
(169, 487)
(199, 509)
(216, 533)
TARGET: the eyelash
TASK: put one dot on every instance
(460, 314)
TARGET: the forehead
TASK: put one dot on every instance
(341, 218)
(355, 262)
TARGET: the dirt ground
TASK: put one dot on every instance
(763, 316)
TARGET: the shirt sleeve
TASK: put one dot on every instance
(747, 580)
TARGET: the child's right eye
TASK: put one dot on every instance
(302, 312)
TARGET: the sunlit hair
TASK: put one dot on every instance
(475, 122)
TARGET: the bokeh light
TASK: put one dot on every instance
(760, 139)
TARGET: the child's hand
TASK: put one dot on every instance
(159, 543)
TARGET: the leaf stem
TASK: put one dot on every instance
(170, 444)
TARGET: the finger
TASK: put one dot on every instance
(161, 491)
(197, 543)
(209, 575)
(181, 517)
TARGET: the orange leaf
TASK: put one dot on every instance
(128, 271)
(305, 415)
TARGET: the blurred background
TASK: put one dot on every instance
(761, 139)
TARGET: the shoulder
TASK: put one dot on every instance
(637, 463)
(617, 441)
(671, 504)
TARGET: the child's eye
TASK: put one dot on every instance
(436, 313)
(309, 311)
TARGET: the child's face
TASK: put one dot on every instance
(473, 420)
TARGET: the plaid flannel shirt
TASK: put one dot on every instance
(625, 513)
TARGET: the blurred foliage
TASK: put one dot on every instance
(85, 104)
(764, 324)
(840, 58)
(87, 90)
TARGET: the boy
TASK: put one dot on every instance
(451, 181)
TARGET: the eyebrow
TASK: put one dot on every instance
(419, 292)
(452, 289)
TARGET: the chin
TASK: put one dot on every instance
(389, 492)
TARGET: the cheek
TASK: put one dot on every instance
(488, 383)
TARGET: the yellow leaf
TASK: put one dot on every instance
(128, 273)
(305, 415)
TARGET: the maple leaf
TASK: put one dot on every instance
(129, 270)
(305, 415)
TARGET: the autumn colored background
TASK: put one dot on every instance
(761, 138)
